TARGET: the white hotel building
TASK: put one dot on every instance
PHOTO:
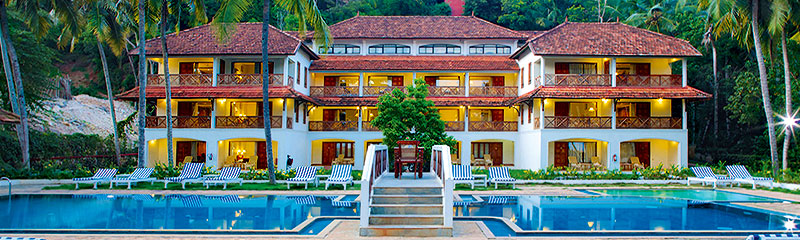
(529, 99)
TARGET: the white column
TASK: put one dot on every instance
(466, 118)
(213, 113)
(212, 153)
(613, 114)
(613, 71)
(359, 119)
(283, 117)
(285, 71)
(613, 150)
(364, 47)
(466, 83)
(413, 77)
(360, 84)
(541, 73)
(466, 152)
(683, 72)
(540, 110)
(683, 114)
(216, 67)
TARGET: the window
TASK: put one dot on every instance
(246, 67)
(489, 49)
(576, 109)
(583, 151)
(196, 68)
(389, 49)
(344, 49)
(385, 81)
(246, 109)
(439, 49)
(576, 68)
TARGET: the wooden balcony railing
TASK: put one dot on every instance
(381, 90)
(180, 79)
(178, 121)
(446, 91)
(577, 122)
(351, 91)
(489, 91)
(650, 122)
(333, 126)
(454, 126)
(503, 126)
(246, 122)
(367, 126)
(248, 80)
(577, 79)
(649, 80)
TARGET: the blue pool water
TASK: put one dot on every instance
(690, 194)
(168, 212)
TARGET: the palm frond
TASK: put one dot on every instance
(230, 12)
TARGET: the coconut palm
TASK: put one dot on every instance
(717, 12)
(785, 18)
(17, 90)
(652, 18)
(307, 13)
(142, 80)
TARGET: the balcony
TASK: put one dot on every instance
(493, 126)
(454, 126)
(367, 126)
(577, 79)
(178, 121)
(275, 80)
(333, 126)
(345, 91)
(577, 122)
(649, 123)
(180, 79)
(446, 91)
(649, 80)
(381, 90)
(492, 91)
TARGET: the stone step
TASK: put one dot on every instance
(407, 190)
(407, 220)
(407, 231)
(406, 209)
(407, 199)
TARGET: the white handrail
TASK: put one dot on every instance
(9, 184)
(374, 153)
(442, 152)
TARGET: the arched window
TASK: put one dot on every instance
(344, 49)
(439, 49)
(389, 49)
(490, 49)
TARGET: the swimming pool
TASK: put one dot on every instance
(689, 194)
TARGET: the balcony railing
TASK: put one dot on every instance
(180, 79)
(178, 121)
(248, 80)
(454, 126)
(381, 90)
(445, 91)
(650, 122)
(351, 91)
(367, 126)
(490, 91)
(577, 122)
(333, 126)
(504, 126)
(649, 80)
(246, 122)
(577, 79)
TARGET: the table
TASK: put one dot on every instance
(484, 178)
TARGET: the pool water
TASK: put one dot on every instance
(690, 194)
(593, 213)
(168, 212)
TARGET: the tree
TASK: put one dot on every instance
(485, 9)
(142, 81)
(652, 19)
(785, 17)
(411, 116)
(716, 12)
(762, 75)
(16, 78)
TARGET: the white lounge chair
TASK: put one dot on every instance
(102, 175)
(705, 175)
(303, 174)
(500, 175)
(189, 174)
(226, 175)
(741, 175)
(341, 174)
(463, 174)
(138, 175)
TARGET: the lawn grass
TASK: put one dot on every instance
(198, 186)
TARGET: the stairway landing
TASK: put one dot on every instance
(428, 180)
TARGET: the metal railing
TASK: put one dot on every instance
(9, 184)
(441, 166)
(376, 163)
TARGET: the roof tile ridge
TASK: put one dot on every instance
(347, 20)
(497, 25)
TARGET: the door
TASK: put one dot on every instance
(562, 109)
(643, 110)
(397, 80)
(328, 153)
(643, 152)
(643, 69)
(498, 81)
(182, 150)
(271, 67)
(185, 109)
(560, 154)
(201, 151)
(431, 80)
(562, 68)
(331, 81)
(186, 68)
(328, 115)
(496, 150)
(497, 115)
(261, 152)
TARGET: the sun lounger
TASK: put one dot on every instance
(226, 175)
(303, 174)
(138, 175)
(501, 175)
(705, 175)
(304, 200)
(778, 236)
(341, 174)
(463, 174)
(189, 174)
(741, 175)
(102, 175)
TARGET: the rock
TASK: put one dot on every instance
(83, 114)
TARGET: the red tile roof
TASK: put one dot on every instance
(438, 101)
(433, 63)
(607, 39)
(215, 92)
(430, 27)
(613, 93)
(7, 117)
(246, 40)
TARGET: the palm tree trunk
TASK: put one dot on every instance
(130, 61)
(716, 91)
(265, 88)
(762, 75)
(788, 81)
(22, 133)
(110, 100)
(142, 84)
(167, 85)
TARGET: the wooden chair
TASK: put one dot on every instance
(597, 164)
(636, 164)
(487, 161)
(407, 152)
(573, 162)
(230, 161)
(251, 162)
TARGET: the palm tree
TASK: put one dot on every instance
(307, 13)
(716, 12)
(785, 17)
(16, 78)
(762, 75)
(142, 81)
(651, 18)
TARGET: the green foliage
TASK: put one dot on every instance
(486, 9)
(336, 11)
(47, 145)
(36, 64)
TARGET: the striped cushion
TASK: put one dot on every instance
(192, 201)
(304, 174)
(341, 173)
(304, 200)
(500, 174)
(141, 173)
(784, 236)
(20, 238)
(341, 204)
(498, 200)
(104, 173)
(462, 173)
(739, 171)
(705, 172)
(228, 173)
(190, 171)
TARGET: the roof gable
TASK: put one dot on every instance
(423, 27)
